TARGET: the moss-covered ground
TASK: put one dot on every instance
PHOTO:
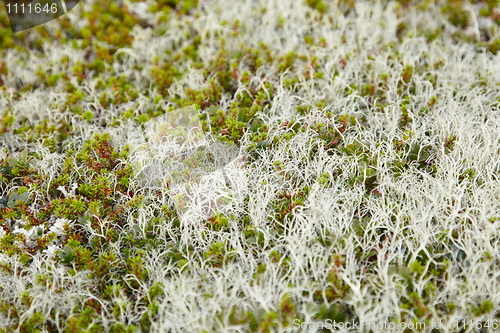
(372, 136)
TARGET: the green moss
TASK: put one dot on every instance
(494, 46)
(87, 320)
(407, 73)
(218, 254)
(164, 76)
(218, 222)
(456, 12)
(449, 143)
(318, 5)
(285, 204)
(484, 307)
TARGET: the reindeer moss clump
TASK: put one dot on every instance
(364, 189)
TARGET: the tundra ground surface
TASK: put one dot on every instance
(367, 190)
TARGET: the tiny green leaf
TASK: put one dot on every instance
(24, 197)
(369, 172)
(23, 156)
(241, 115)
(67, 254)
(12, 162)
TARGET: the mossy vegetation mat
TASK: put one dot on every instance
(371, 133)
